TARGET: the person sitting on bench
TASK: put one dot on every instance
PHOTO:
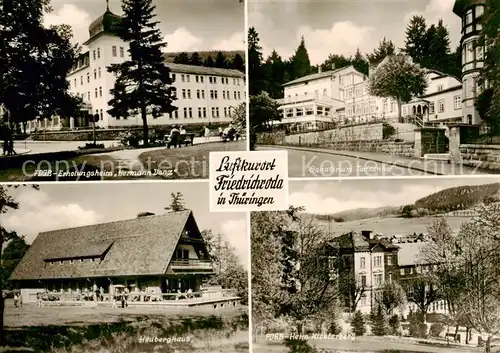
(174, 137)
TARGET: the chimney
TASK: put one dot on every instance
(319, 69)
(333, 66)
(368, 234)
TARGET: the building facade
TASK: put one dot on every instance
(204, 95)
(152, 255)
(368, 261)
(471, 12)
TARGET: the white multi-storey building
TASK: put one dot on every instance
(204, 94)
(343, 97)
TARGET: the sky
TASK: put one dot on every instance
(187, 25)
(70, 205)
(342, 26)
(329, 196)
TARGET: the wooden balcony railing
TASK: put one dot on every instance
(191, 264)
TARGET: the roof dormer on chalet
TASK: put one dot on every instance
(108, 23)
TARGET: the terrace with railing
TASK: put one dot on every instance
(179, 264)
(201, 297)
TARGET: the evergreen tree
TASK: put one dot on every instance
(301, 65)
(181, 58)
(334, 60)
(209, 61)
(220, 61)
(195, 59)
(238, 63)
(274, 68)
(143, 83)
(416, 43)
(439, 47)
(360, 63)
(34, 61)
(358, 324)
(177, 203)
(378, 324)
(256, 74)
(385, 48)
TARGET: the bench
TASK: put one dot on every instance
(178, 140)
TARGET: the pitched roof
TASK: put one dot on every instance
(204, 70)
(358, 242)
(409, 254)
(140, 246)
(316, 76)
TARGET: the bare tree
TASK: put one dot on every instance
(390, 297)
(468, 270)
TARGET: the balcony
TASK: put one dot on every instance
(192, 264)
(304, 98)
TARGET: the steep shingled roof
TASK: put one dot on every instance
(140, 246)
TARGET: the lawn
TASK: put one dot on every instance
(105, 329)
(187, 162)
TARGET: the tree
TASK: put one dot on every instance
(378, 322)
(471, 257)
(483, 105)
(334, 60)
(360, 63)
(416, 43)
(229, 271)
(176, 203)
(438, 39)
(220, 60)
(143, 83)
(182, 58)
(7, 203)
(301, 65)
(196, 59)
(12, 254)
(34, 61)
(238, 63)
(400, 79)
(490, 43)
(351, 287)
(422, 291)
(239, 118)
(263, 111)
(274, 69)
(358, 324)
(209, 61)
(257, 82)
(385, 48)
(390, 297)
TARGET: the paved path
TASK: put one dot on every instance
(322, 162)
(129, 159)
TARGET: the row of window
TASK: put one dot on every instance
(417, 269)
(457, 104)
(309, 110)
(378, 280)
(200, 94)
(70, 261)
(96, 54)
(211, 79)
(202, 112)
(97, 74)
(470, 19)
(377, 261)
(358, 92)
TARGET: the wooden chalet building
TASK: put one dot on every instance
(150, 255)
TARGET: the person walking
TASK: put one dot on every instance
(39, 300)
(220, 132)
(125, 294)
(207, 133)
(16, 300)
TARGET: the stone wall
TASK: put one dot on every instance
(482, 156)
(366, 132)
(390, 147)
(271, 138)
